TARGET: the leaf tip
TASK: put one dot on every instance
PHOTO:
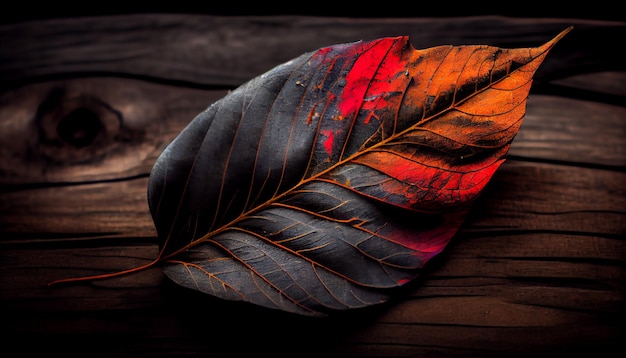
(562, 34)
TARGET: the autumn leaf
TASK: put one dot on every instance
(330, 181)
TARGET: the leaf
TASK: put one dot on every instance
(330, 181)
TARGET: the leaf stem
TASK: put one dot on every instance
(104, 276)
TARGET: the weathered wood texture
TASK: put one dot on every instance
(87, 104)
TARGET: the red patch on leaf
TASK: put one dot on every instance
(430, 185)
(372, 75)
(329, 141)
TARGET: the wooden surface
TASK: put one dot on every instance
(87, 104)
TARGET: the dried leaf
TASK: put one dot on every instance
(330, 181)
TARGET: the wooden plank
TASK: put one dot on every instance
(139, 120)
(227, 51)
(538, 197)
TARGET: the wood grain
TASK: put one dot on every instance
(216, 50)
(87, 104)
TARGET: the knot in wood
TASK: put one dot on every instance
(77, 128)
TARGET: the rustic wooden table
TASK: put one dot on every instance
(88, 103)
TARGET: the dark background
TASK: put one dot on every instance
(600, 10)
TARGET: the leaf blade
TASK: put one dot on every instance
(346, 170)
